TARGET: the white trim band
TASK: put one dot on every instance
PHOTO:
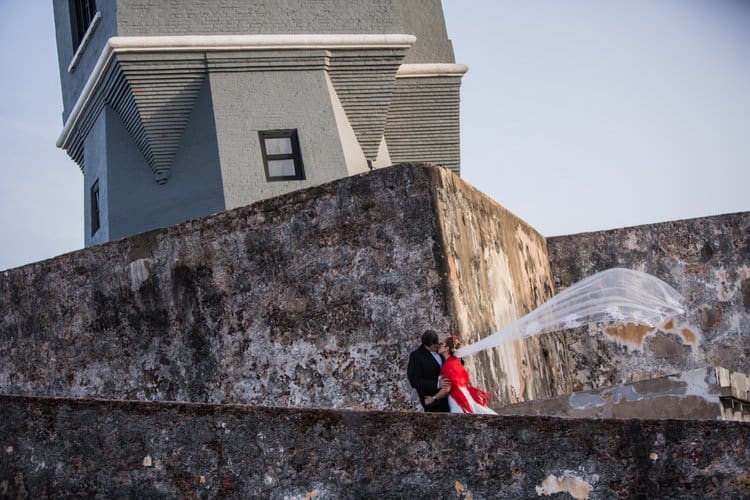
(258, 42)
(179, 43)
(427, 70)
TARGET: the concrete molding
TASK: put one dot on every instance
(259, 42)
(431, 70)
(116, 45)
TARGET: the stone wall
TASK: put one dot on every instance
(700, 394)
(311, 299)
(707, 260)
(79, 448)
(497, 271)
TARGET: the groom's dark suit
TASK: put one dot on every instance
(423, 372)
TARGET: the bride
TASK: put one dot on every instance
(462, 398)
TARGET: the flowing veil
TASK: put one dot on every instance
(613, 296)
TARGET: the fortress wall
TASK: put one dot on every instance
(311, 299)
(314, 298)
(705, 259)
(701, 394)
(54, 448)
(497, 270)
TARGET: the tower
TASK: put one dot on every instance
(181, 108)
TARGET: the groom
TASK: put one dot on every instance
(423, 371)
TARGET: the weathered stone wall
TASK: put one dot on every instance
(311, 299)
(498, 270)
(700, 394)
(707, 260)
(67, 448)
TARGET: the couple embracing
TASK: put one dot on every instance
(441, 380)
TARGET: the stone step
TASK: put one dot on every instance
(77, 447)
(711, 393)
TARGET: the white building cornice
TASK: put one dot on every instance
(431, 70)
(258, 42)
(209, 43)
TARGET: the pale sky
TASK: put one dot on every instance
(576, 115)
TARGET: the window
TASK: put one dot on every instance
(281, 155)
(95, 223)
(81, 14)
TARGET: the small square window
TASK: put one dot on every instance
(95, 222)
(281, 155)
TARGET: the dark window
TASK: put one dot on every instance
(81, 14)
(95, 223)
(281, 155)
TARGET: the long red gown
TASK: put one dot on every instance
(463, 398)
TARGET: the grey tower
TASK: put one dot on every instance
(176, 109)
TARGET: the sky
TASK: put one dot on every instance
(576, 115)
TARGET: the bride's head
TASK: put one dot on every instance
(452, 344)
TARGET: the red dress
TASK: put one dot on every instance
(463, 398)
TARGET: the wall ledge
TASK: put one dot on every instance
(431, 70)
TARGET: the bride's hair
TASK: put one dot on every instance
(452, 343)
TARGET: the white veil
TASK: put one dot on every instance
(613, 296)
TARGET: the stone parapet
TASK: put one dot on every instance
(151, 450)
(700, 394)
